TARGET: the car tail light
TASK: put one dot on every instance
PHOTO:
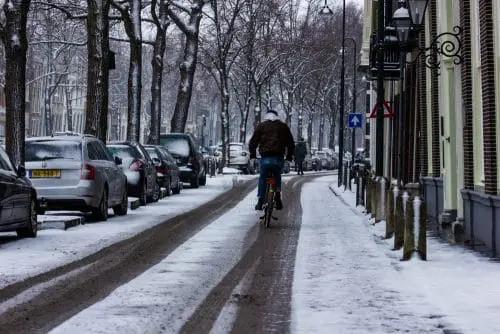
(162, 170)
(136, 165)
(88, 172)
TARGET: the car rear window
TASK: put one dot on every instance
(152, 153)
(124, 151)
(53, 150)
(176, 145)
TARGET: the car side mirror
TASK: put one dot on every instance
(118, 161)
(21, 171)
(156, 162)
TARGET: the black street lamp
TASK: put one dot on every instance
(409, 22)
(325, 10)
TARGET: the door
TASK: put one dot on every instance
(115, 175)
(5, 197)
(8, 191)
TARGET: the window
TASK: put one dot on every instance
(5, 162)
(52, 150)
(92, 151)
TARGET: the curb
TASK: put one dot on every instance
(339, 196)
(60, 224)
(134, 204)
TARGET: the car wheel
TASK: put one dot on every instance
(122, 208)
(155, 196)
(143, 198)
(101, 213)
(169, 187)
(195, 182)
(177, 189)
(203, 180)
(31, 229)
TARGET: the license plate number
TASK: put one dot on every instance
(45, 173)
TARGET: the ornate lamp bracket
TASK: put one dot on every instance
(450, 47)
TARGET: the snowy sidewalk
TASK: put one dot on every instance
(351, 282)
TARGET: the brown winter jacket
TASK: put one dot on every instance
(274, 139)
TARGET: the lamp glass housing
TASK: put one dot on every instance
(417, 10)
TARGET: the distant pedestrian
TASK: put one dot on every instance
(300, 155)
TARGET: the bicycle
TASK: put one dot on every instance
(269, 200)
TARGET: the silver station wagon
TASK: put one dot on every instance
(76, 172)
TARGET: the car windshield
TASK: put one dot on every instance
(52, 150)
(235, 147)
(176, 145)
(124, 151)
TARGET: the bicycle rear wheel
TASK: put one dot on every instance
(269, 209)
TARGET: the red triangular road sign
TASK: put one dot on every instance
(387, 111)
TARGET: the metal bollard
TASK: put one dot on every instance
(409, 238)
(368, 190)
(422, 231)
(399, 222)
(363, 188)
(373, 198)
(381, 194)
(358, 186)
(389, 213)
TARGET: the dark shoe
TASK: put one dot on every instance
(277, 201)
(259, 204)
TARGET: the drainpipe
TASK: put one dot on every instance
(437, 201)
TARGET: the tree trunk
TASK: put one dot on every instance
(16, 46)
(224, 119)
(310, 131)
(258, 106)
(321, 131)
(156, 82)
(47, 110)
(96, 111)
(132, 22)
(69, 107)
(185, 90)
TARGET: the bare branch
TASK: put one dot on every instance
(59, 42)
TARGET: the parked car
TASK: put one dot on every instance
(184, 148)
(239, 157)
(167, 172)
(18, 199)
(76, 172)
(326, 161)
(139, 170)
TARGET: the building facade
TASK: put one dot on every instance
(450, 118)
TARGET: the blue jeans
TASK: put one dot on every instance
(269, 164)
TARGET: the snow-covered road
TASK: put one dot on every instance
(347, 280)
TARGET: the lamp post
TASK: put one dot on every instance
(353, 139)
(325, 10)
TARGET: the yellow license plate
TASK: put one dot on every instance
(45, 173)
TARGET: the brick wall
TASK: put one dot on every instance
(466, 69)
(489, 94)
(436, 153)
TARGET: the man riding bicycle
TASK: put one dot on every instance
(274, 139)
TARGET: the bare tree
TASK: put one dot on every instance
(96, 113)
(224, 19)
(13, 35)
(130, 11)
(161, 22)
(187, 67)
